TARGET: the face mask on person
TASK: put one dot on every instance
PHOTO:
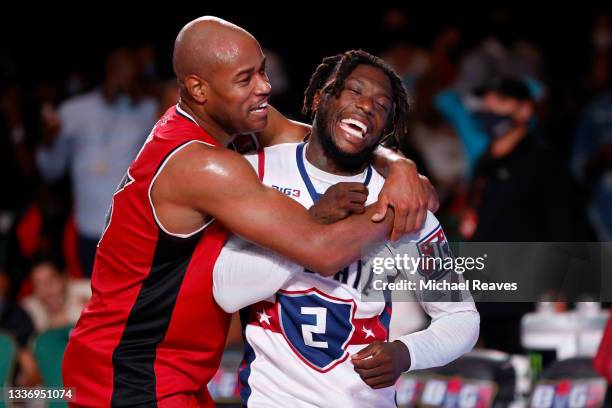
(496, 125)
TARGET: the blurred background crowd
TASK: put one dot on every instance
(511, 121)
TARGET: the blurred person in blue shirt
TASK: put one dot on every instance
(95, 136)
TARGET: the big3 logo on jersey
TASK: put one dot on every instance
(291, 192)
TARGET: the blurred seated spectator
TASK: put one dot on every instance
(591, 162)
(15, 321)
(96, 136)
(55, 301)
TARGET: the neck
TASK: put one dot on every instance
(205, 122)
(318, 157)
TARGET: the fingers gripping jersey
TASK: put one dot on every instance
(298, 341)
(151, 330)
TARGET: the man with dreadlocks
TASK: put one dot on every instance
(311, 341)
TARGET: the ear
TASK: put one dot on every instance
(197, 88)
(316, 100)
(389, 125)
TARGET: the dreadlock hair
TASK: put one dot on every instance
(329, 78)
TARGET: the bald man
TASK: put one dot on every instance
(152, 334)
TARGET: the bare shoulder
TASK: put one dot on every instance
(296, 131)
(201, 157)
(280, 129)
(198, 180)
(199, 165)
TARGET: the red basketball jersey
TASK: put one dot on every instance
(603, 359)
(151, 329)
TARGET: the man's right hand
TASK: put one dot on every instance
(339, 201)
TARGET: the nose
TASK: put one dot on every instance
(263, 87)
(366, 105)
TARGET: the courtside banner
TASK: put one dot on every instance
(436, 270)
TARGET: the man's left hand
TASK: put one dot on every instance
(410, 194)
(381, 363)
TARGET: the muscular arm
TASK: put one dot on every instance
(220, 183)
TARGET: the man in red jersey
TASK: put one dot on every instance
(603, 359)
(151, 334)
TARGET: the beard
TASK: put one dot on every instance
(348, 162)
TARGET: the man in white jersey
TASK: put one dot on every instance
(310, 340)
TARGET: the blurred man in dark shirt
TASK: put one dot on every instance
(521, 190)
(520, 193)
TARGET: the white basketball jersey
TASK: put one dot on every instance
(299, 342)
